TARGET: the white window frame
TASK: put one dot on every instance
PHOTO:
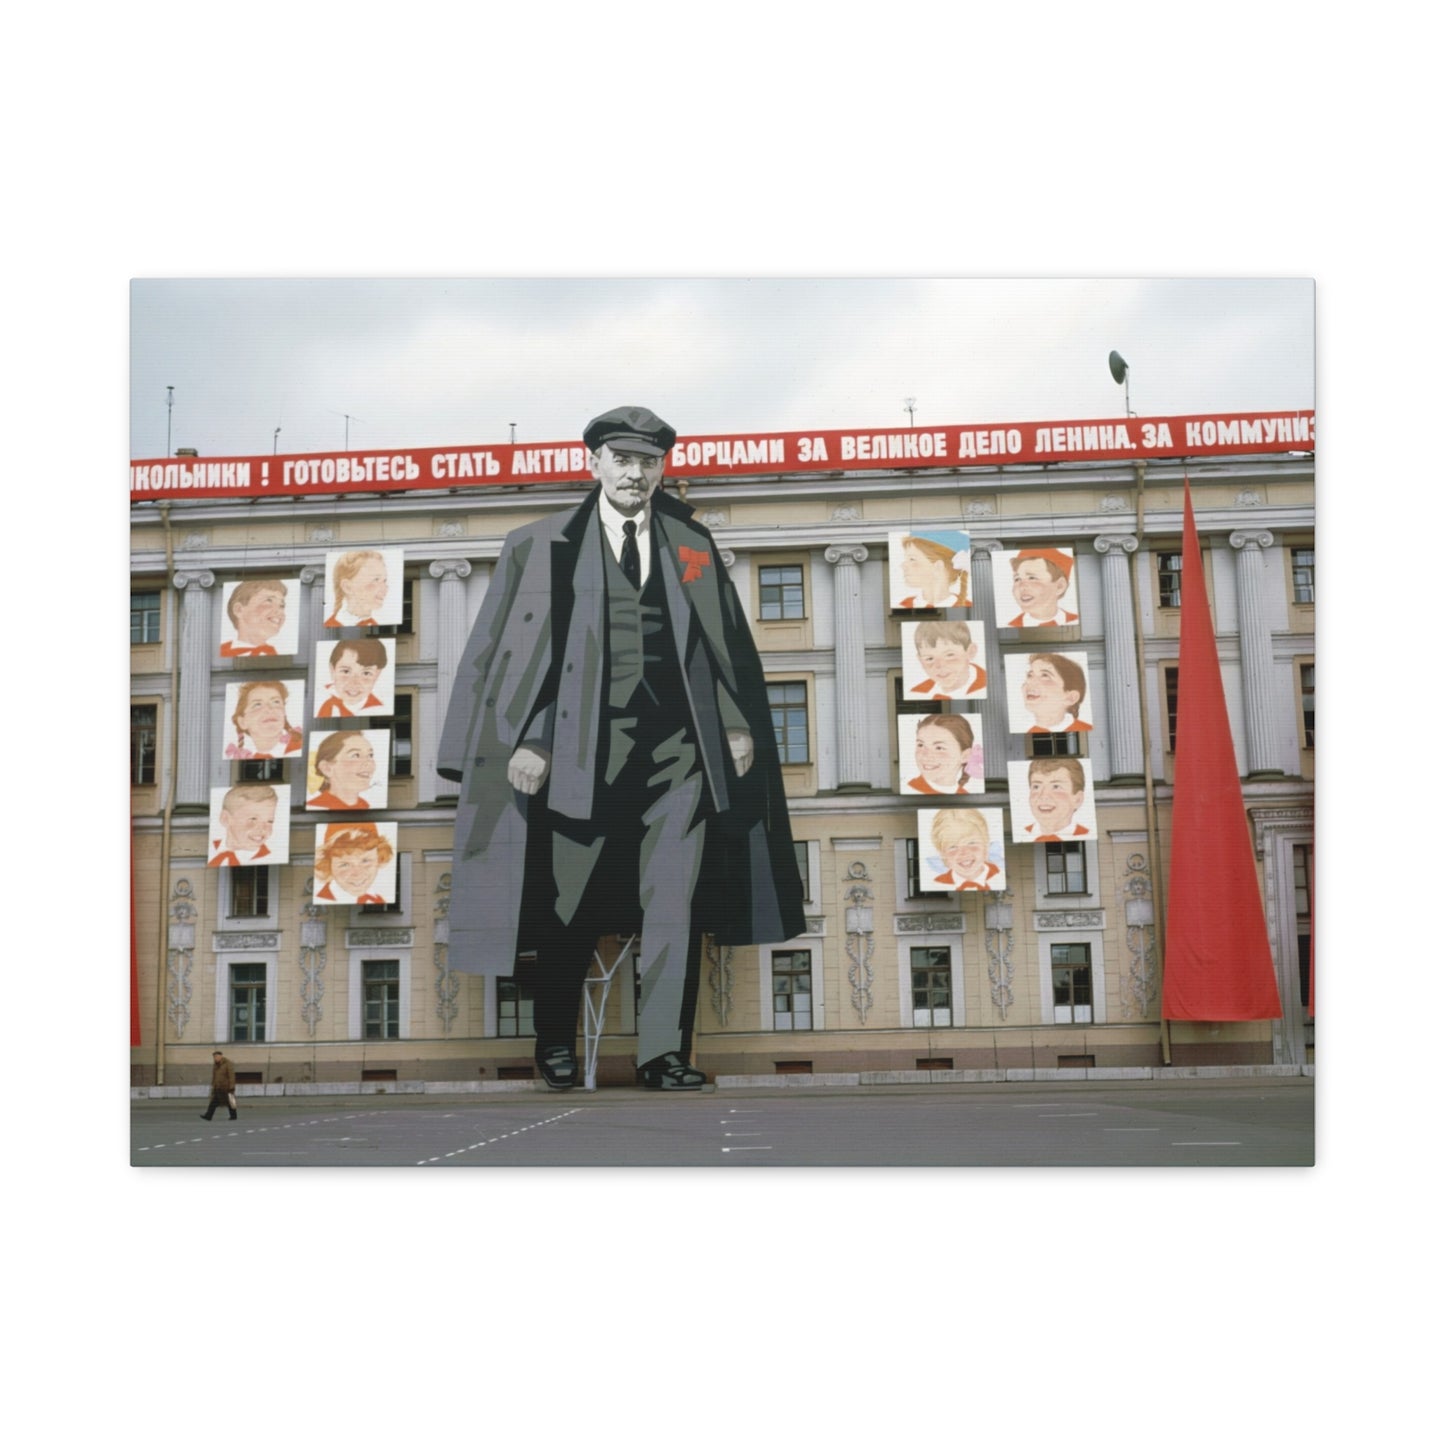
(808, 945)
(1095, 941)
(227, 923)
(377, 953)
(953, 942)
(272, 959)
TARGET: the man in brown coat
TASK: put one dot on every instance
(223, 1085)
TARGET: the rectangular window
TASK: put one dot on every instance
(1307, 701)
(1066, 868)
(1171, 701)
(1073, 983)
(800, 855)
(915, 887)
(780, 593)
(250, 892)
(792, 989)
(1304, 914)
(401, 727)
(514, 1009)
(262, 770)
(932, 988)
(381, 998)
(145, 617)
(1302, 573)
(142, 744)
(1171, 571)
(789, 704)
(904, 705)
(1054, 745)
(405, 626)
(248, 996)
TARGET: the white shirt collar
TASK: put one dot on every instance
(612, 521)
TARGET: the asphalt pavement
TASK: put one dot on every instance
(1206, 1124)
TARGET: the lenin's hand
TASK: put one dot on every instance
(527, 770)
(741, 746)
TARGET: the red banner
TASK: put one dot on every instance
(406, 469)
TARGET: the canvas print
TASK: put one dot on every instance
(249, 825)
(961, 850)
(1035, 587)
(355, 677)
(1051, 800)
(346, 769)
(355, 863)
(1048, 692)
(609, 818)
(944, 660)
(260, 617)
(928, 568)
(940, 752)
(364, 587)
(262, 716)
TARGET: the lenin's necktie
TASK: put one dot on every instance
(631, 563)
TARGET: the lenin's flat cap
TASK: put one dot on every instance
(630, 429)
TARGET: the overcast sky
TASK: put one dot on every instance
(448, 362)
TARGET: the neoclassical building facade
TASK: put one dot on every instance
(1062, 969)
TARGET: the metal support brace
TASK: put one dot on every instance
(595, 989)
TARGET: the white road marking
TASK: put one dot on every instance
(739, 1148)
(1203, 1143)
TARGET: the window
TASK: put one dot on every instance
(1307, 701)
(789, 704)
(145, 617)
(1066, 868)
(262, 770)
(1073, 983)
(381, 998)
(248, 997)
(1302, 573)
(915, 887)
(142, 742)
(800, 855)
(1054, 745)
(1171, 570)
(932, 988)
(903, 704)
(514, 1009)
(1304, 914)
(1171, 701)
(792, 989)
(405, 626)
(250, 892)
(780, 593)
(401, 736)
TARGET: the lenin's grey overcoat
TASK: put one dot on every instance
(534, 670)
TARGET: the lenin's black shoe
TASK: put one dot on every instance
(670, 1071)
(558, 1065)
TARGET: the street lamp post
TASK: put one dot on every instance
(170, 401)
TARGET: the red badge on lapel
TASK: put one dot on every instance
(693, 563)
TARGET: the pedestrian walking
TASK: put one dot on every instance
(223, 1085)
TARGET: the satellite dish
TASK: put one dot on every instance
(1118, 367)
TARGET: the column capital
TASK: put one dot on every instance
(310, 576)
(202, 579)
(728, 556)
(855, 553)
(986, 545)
(1113, 543)
(453, 568)
(1254, 539)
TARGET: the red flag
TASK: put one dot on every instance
(1217, 963)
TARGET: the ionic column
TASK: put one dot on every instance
(193, 706)
(995, 708)
(451, 641)
(1254, 650)
(850, 674)
(1122, 684)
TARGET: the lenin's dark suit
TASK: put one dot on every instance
(643, 815)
